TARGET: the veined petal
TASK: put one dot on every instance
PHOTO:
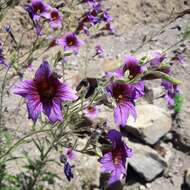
(34, 107)
(107, 163)
(25, 88)
(121, 114)
(43, 71)
(65, 93)
(115, 137)
(139, 89)
(53, 110)
(132, 109)
(130, 60)
(117, 174)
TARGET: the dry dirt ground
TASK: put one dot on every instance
(133, 20)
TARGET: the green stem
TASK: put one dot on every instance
(21, 140)
(1, 98)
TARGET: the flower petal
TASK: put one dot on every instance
(107, 163)
(43, 71)
(117, 174)
(65, 93)
(25, 88)
(53, 110)
(121, 114)
(115, 137)
(34, 107)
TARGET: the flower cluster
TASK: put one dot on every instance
(39, 9)
(125, 94)
(66, 111)
(96, 15)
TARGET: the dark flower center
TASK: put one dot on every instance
(38, 7)
(134, 70)
(119, 98)
(91, 109)
(119, 93)
(54, 15)
(47, 89)
(71, 41)
(117, 157)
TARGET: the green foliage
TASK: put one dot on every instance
(161, 75)
(178, 103)
(186, 33)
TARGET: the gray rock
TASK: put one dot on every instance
(152, 123)
(187, 177)
(146, 162)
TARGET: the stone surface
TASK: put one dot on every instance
(146, 162)
(187, 178)
(152, 123)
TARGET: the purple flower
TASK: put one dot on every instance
(114, 161)
(40, 9)
(36, 24)
(109, 28)
(178, 58)
(107, 17)
(68, 171)
(157, 59)
(124, 96)
(45, 93)
(171, 92)
(2, 59)
(131, 64)
(90, 2)
(91, 112)
(70, 42)
(99, 51)
(70, 154)
(55, 19)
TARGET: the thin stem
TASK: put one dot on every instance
(1, 98)
(21, 140)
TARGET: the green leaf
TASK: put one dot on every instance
(67, 54)
(186, 33)
(98, 152)
(143, 60)
(178, 103)
(161, 75)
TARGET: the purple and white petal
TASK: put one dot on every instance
(121, 114)
(65, 93)
(34, 107)
(25, 88)
(53, 111)
(43, 71)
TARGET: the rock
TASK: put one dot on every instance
(148, 185)
(187, 178)
(168, 137)
(146, 161)
(142, 187)
(181, 139)
(165, 151)
(152, 123)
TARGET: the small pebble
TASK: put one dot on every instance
(148, 185)
(142, 187)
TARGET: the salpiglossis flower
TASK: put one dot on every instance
(45, 93)
(124, 96)
(70, 41)
(114, 161)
